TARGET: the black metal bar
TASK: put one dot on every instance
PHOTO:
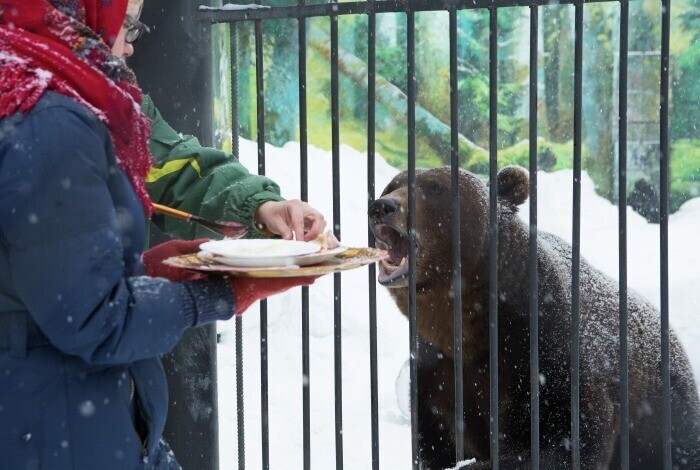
(663, 227)
(304, 176)
(576, 241)
(260, 95)
(235, 125)
(622, 206)
(264, 407)
(240, 415)
(532, 266)
(371, 127)
(306, 378)
(456, 245)
(411, 132)
(493, 233)
(363, 8)
(337, 330)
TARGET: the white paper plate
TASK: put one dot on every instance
(275, 262)
(259, 249)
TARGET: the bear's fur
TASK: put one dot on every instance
(599, 337)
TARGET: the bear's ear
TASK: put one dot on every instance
(513, 184)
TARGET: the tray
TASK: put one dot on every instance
(350, 258)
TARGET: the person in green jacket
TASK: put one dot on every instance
(212, 183)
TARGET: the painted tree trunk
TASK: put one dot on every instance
(551, 34)
(436, 133)
(245, 111)
(558, 71)
(281, 81)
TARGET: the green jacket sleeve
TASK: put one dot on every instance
(199, 180)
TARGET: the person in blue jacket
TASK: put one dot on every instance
(81, 325)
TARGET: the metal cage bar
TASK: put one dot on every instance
(576, 242)
(663, 227)
(532, 262)
(493, 234)
(304, 177)
(622, 206)
(240, 410)
(456, 245)
(235, 124)
(235, 129)
(371, 187)
(260, 92)
(337, 330)
(411, 131)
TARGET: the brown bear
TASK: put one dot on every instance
(599, 344)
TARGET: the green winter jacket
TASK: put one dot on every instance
(200, 180)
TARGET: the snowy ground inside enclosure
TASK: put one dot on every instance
(598, 244)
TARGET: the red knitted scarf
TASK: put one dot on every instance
(65, 46)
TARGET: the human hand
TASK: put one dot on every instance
(154, 257)
(248, 290)
(290, 219)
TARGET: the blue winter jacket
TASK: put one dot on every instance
(80, 329)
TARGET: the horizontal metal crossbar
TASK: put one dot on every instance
(256, 12)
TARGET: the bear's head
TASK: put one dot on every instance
(388, 219)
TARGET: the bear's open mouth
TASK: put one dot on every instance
(396, 244)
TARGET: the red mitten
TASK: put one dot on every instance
(248, 290)
(153, 259)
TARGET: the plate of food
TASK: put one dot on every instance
(273, 261)
(269, 253)
(257, 253)
(325, 257)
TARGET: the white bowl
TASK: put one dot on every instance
(275, 262)
(259, 249)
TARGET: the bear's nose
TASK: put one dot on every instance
(382, 208)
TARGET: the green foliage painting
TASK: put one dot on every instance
(555, 88)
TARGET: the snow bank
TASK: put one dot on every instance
(599, 245)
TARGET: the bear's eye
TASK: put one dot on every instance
(435, 188)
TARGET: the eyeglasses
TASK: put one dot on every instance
(134, 29)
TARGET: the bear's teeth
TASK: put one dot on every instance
(390, 267)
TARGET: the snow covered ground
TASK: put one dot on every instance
(599, 246)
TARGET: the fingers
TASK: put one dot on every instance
(289, 219)
(316, 215)
(317, 226)
(316, 221)
(279, 226)
(296, 214)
